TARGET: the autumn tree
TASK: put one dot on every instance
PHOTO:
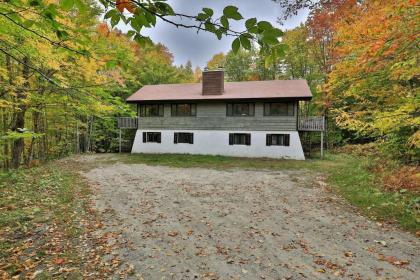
(60, 97)
(217, 61)
(198, 74)
(238, 66)
(373, 87)
(186, 74)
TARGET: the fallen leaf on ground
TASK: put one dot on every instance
(59, 261)
(348, 254)
(393, 260)
(380, 242)
(173, 233)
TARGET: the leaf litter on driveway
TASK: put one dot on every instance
(186, 223)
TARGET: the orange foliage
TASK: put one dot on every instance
(370, 149)
(407, 177)
(254, 77)
(321, 25)
(103, 29)
(377, 37)
(125, 4)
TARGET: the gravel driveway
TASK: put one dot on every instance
(239, 224)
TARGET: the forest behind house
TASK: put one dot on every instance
(65, 72)
(63, 85)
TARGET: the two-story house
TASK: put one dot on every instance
(247, 119)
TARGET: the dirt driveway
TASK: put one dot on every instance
(239, 224)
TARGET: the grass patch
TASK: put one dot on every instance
(218, 162)
(42, 222)
(348, 175)
(355, 181)
(48, 229)
(39, 210)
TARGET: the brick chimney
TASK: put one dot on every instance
(213, 82)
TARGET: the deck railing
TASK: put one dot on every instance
(305, 123)
(313, 123)
(126, 122)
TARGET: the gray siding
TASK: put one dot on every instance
(212, 116)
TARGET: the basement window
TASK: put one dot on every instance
(279, 109)
(240, 109)
(240, 139)
(183, 137)
(151, 110)
(152, 137)
(278, 140)
(183, 110)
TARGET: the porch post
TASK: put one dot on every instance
(77, 137)
(120, 142)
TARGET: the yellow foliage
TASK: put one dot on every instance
(372, 86)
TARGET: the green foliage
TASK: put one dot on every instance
(217, 61)
(238, 65)
(236, 44)
(14, 135)
(243, 65)
(141, 15)
(232, 12)
(397, 144)
(74, 88)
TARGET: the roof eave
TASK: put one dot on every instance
(302, 98)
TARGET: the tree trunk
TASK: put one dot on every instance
(45, 136)
(36, 116)
(19, 117)
(5, 143)
(6, 125)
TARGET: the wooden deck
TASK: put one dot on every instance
(126, 122)
(313, 123)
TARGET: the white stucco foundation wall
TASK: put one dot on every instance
(212, 142)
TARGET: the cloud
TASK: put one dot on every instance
(186, 44)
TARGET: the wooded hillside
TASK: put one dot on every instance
(64, 77)
(64, 74)
(361, 59)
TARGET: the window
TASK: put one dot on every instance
(240, 109)
(183, 110)
(278, 139)
(152, 137)
(183, 137)
(240, 139)
(151, 110)
(279, 109)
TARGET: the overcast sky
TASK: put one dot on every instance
(186, 44)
